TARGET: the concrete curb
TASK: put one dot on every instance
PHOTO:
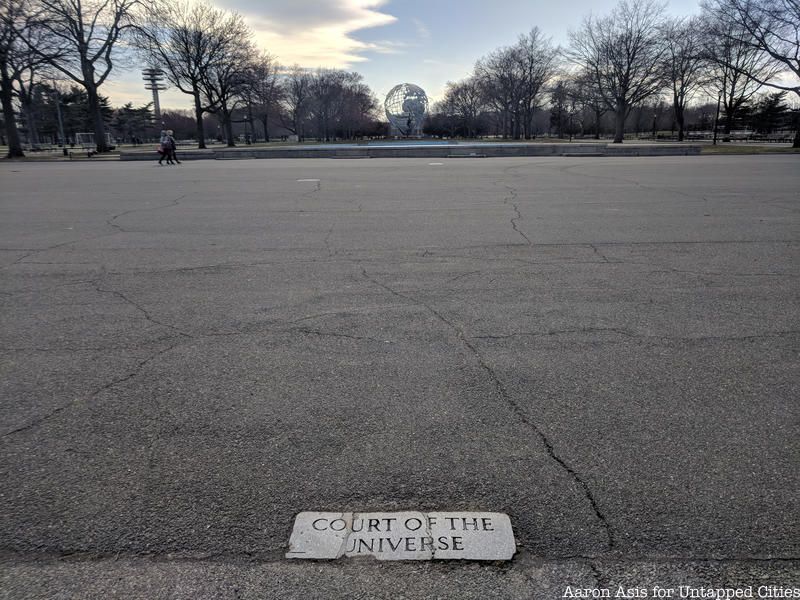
(429, 151)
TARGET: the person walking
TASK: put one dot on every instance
(164, 148)
(172, 148)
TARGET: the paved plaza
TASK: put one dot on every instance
(604, 349)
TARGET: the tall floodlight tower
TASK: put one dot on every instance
(154, 80)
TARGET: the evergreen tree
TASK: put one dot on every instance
(770, 113)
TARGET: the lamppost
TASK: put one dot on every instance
(716, 117)
(57, 98)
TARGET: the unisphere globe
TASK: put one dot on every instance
(406, 105)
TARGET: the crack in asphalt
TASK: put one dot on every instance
(327, 242)
(631, 334)
(141, 309)
(596, 250)
(52, 287)
(500, 246)
(111, 384)
(509, 201)
(110, 221)
(462, 275)
(334, 334)
(317, 188)
(602, 580)
(436, 251)
(111, 347)
(668, 269)
(61, 245)
(514, 405)
(569, 169)
(555, 332)
(277, 556)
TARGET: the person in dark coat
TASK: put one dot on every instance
(163, 148)
(172, 148)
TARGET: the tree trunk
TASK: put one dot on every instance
(729, 113)
(198, 115)
(677, 115)
(619, 129)
(527, 124)
(26, 103)
(12, 135)
(227, 125)
(266, 129)
(597, 116)
(796, 143)
(97, 117)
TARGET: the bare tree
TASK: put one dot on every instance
(358, 108)
(623, 53)
(737, 68)
(683, 64)
(338, 103)
(224, 79)
(565, 100)
(296, 100)
(262, 91)
(188, 39)
(773, 30)
(590, 99)
(463, 102)
(499, 78)
(12, 14)
(87, 33)
(326, 89)
(537, 62)
(28, 69)
(21, 67)
(559, 111)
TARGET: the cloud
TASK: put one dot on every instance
(312, 33)
(422, 30)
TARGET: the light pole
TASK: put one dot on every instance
(716, 118)
(57, 98)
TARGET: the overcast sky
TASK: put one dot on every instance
(427, 42)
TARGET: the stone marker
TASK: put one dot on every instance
(403, 535)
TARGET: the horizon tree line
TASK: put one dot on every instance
(634, 56)
(613, 65)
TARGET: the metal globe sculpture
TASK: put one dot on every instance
(406, 105)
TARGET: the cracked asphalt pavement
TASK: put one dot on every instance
(606, 349)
